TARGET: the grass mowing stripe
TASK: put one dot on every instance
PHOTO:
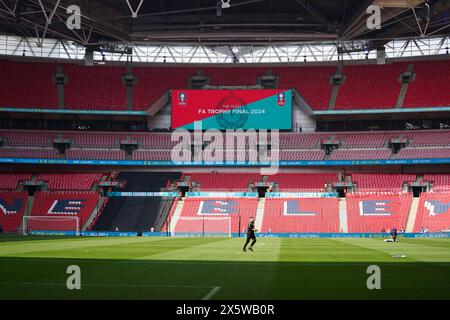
(283, 268)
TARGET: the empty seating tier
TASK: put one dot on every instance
(373, 213)
(54, 206)
(238, 209)
(361, 154)
(303, 181)
(381, 181)
(301, 215)
(430, 87)
(223, 181)
(70, 181)
(433, 212)
(12, 207)
(102, 87)
(9, 181)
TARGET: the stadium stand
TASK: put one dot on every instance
(313, 83)
(413, 153)
(238, 209)
(134, 214)
(361, 154)
(365, 139)
(97, 154)
(303, 181)
(427, 138)
(138, 214)
(37, 91)
(94, 140)
(430, 88)
(94, 88)
(161, 80)
(293, 146)
(9, 181)
(433, 213)
(365, 89)
(301, 154)
(375, 212)
(301, 215)
(23, 152)
(70, 181)
(152, 155)
(154, 140)
(302, 141)
(222, 181)
(30, 138)
(381, 181)
(61, 204)
(439, 181)
(12, 208)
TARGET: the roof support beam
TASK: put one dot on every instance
(313, 11)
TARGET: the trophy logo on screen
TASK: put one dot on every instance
(281, 99)
(182, 98)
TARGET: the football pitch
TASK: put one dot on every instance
(216, 268)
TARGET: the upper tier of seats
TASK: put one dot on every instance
(431, 86)
(95, 88)
(370, 86)
(27, 85)
(30, 85)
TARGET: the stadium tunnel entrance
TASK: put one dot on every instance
(417, 190)
(262, 191)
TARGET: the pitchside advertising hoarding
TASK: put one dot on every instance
(232, 109)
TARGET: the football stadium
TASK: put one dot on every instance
(225, 150)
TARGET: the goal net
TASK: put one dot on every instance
(46, 223)
(202, 227)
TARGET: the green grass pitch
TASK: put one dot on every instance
(215, 268)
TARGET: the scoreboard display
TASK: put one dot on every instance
(232, 109)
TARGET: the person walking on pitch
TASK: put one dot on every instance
(250, 235)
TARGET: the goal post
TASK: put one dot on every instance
(47, 223)
(202, 227)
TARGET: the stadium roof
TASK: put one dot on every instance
(250, 21)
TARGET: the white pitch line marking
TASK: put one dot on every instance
(211, 293)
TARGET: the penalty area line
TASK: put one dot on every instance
(208, 296)
(211, 293)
